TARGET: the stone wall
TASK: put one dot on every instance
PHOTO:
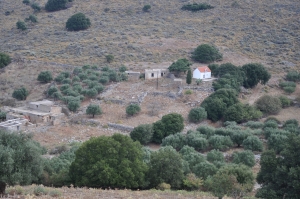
(121, 127)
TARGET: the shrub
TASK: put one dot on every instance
(65, 87)
(197, 141)
(93, 110)
(215, 156)
(77, 70)
(26, 2)
(52, 90)
(146, 8)
(220, 142)
(54, 193)
(276, 141)
(91, 92)
(292, 126)
(4, 60)
(181, 65)
(214, 69)
(177, 141)
(40, 190)
(245, 157)
(104, 80)
(78, 22)
(204, 169)
(188, 92)
(142, 133)
(271, 124)
(133, 109)
(67, 81)
(253, 143)
(36, 7)
(206, 53)
(254, 125)
(21, 25)
(59, 78)
(109, 58)
(45, 77)
(206, 130)
(73, 105)
(32, 18)
(293, 76)
(269, 104)
(75, 79)
(197, 114)
(20, 94)
(117, 160)
(163, 186)
(192, 182)
(288, 87)
(255, 73)
(196, 7)
(285, 102)
(238, 137)
(55, 5)
(2, 116)
(241, 112)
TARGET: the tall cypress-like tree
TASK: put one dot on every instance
(189, 77)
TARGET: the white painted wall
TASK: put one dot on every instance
(198, 75)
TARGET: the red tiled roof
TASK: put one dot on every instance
(204, 69)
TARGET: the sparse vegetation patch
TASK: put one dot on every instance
(196, 7)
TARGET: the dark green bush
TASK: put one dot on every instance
(293, 76)
(177, 141)
(109, 58)
(133, 109)
(146, 8)
(142, 133)
(65, 87)
(21, 25)
(93, 109)
(206, 130)
(276, 141)
(52, 90)
(215, 156)
(26, 2)
(45, 77)
(241, 113)
(239, 136)
(285, 102)
(288, 87)
(78, 22)
(67, 81)
(206, 53)
(255, 125)
(59, 78)
(104, 80)
(55, 5)
(197, 140)
(36, 7)
(204, 169)
(32, 18)
(73, 105)
(4, 60)
(196, 7)
(20, 94)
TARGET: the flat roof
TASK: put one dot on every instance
(44, 102)
(25, 110)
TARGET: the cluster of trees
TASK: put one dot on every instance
(169, 124)
(231, 76)
(206, 138)
(87, 81)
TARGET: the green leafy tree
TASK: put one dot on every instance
(36, 7)
(52, 90)
(214, 69)
(78, 22)
(206, 53)
(142, 133)
(228, 70)
(204, 169)
(208, 131)
(21, 159)
(197, 140)
(172, 164)
(45, 77)
(169, 124)
(269, 104)
(181, 65)
(220, 142)
(115, 161)
(253, 143)
(215, 156)
(255, 73)
(197, 114)
(279, 175)
(20, 94)
(55, 5)
(189, 77)
(133, 109)
(241, 113)
(244, 157)
(4, 60)
(91, 93)
(21, 25)
(93, 109)
(218, 102)
(73, 105)
(238, 136)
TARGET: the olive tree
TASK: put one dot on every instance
(93, 109)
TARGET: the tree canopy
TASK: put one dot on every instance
(45, 77)
(55, 5)
(181, 65)
(115, 161)
(206, 53)
(279, 176)
(4, 59)
(20, 94)
(78, 22)
(255, 73)
(20, 157)
(93, 109)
